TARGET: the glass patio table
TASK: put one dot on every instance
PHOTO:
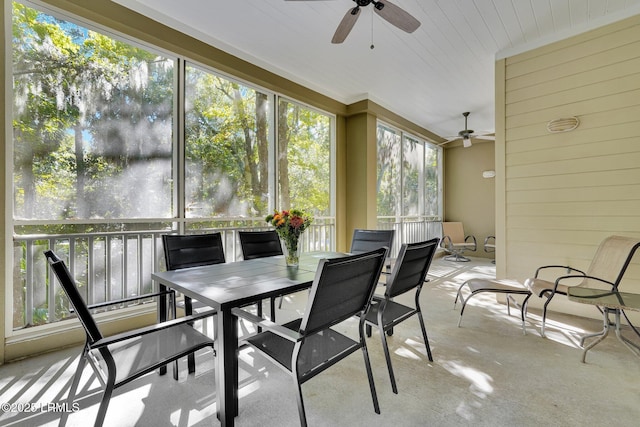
(609, 301)
(236, 284)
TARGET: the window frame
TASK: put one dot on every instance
(178, 213)
(427, 145)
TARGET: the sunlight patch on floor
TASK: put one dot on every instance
(480, 382)
(408, 353)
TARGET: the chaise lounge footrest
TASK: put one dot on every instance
(509, 287)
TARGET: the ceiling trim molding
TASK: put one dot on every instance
(562, 35)
(370, 107)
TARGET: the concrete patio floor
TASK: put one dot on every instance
(485, 373)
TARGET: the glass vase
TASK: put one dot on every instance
(292, 252)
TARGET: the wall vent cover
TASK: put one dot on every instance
(563, 125)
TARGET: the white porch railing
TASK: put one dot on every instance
(113, 265)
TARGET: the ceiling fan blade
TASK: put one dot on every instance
(486, 137)
(345, 26)
(448, 141)
(397, 16)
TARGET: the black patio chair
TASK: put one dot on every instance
(305, 347)
(369, 240)
(122, 358)
(409, 273)
(261, 244)
(192, 250)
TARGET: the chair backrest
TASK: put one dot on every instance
(192, 250)
(369, 240)
(259, 244)
(68, 284)
(454, 230)
(342, 288)
(411, 267)
(612, 259)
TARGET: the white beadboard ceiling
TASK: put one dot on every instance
(430, 77)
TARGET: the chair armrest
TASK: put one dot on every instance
(275, 328)
(566, 267)
(150, 329)
(475, 244)
(582, 276)
(489, 244)
(124, 300)
(446, 242)
(377, 298)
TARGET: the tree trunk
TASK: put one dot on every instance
(283, 160)
(81, 173)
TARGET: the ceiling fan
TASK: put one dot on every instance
(387, 10)
(466, 134)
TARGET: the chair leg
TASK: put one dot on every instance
(367, 363)
(464, 304)
(544, 314)
(301, 411)
(74, 387)
(106, 397)
(424, 335)
(387, 355)
(523, 312)
(457, 257)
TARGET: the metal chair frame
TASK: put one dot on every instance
(308, 346)
(409, 272)
(171, 334)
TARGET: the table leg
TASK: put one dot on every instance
(227, 367)
(601, 335)
(635, 349)
(162, 315)
(188, 311)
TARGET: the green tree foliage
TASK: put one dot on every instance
(106, 102)
(93, 139)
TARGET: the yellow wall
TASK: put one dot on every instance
(564, 193)
(470, 198)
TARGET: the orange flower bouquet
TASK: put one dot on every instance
(290, 225)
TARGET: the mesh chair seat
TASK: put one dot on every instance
(393, 313)
(317, 351)
(135, 356)
(538, 286)
(477, 286)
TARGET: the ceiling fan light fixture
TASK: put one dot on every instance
(466, 141)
